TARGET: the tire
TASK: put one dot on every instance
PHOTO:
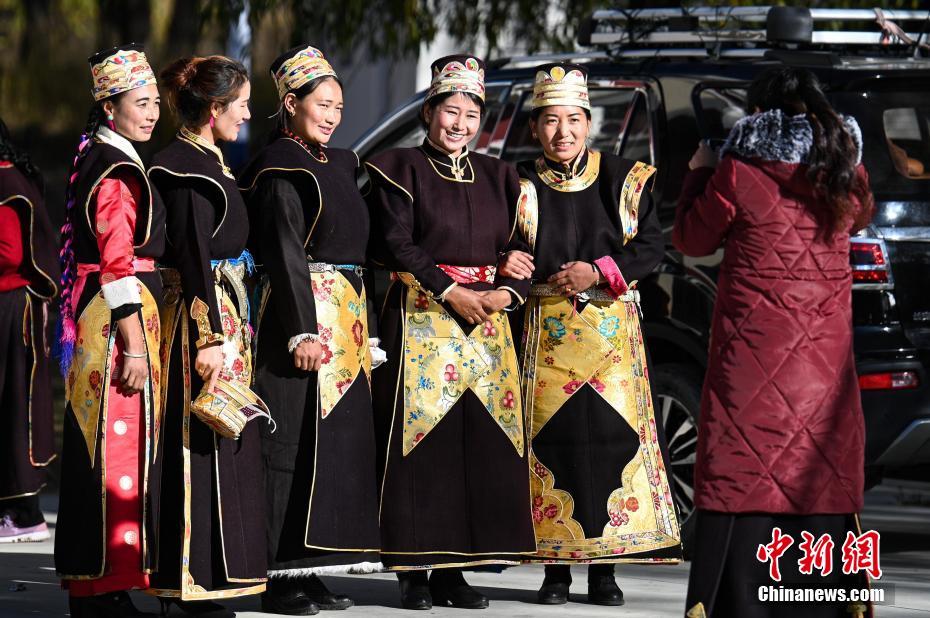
(676, 391)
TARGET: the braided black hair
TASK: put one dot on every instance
(66, 325)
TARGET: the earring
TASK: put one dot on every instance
(534, 136)
(110, 117)
(292, 113)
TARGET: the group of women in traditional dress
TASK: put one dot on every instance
(194, 302)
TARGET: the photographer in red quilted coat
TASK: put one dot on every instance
(781, 433)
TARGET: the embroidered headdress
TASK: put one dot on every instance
(457, 74)
(118, 70)
(561, 84)
(297, 66)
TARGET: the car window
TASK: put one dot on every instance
(409, 132)
(719, 110)
(619, 124)
(906, 136)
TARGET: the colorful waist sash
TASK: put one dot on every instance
(469, 274)
(459, 274)
(323, 267)
(140, 265)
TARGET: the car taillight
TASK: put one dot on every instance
(893, 380)
(868, 258)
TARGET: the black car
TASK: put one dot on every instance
(654, 97)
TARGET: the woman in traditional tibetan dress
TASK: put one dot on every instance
(600, 491)
(211, 533)
(310, 233)
(28, 282)
(110, 297)
(455, 489)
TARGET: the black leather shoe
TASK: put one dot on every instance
(110, 605)
(203, 609)
(414, 590)
(602, 587)
(554, 589)
(286, 596)
(314, 588)
(449, 587)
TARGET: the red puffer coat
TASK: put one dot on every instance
(781, 427)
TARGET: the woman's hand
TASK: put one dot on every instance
(135, 370)
(308, 355)
(495, 300)
(575, 277)
(704, 156)
(208, 364)
(468, 304)
(135, 373)
(516, 265)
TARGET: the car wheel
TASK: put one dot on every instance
(677, 392)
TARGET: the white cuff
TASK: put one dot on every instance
(378, 356)
(121, 292)
(296, 340)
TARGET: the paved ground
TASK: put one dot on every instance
(901, 511)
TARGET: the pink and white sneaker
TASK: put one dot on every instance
(10, 533)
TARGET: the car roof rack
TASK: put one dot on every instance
(719, 30)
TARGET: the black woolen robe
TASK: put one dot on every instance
(320, 473)
(586, 443)
(461, 497)
(206, 220)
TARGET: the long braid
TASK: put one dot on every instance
(67, 328)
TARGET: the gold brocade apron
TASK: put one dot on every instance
(87, 384)
(441, 362)
(600, 345)
(342, 326)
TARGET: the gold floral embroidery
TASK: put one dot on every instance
(200, 313)
(342, 325)
(442, 362)
(631, 192)
(88, 380)
(600, 346)
(580, 182)
(528, 212)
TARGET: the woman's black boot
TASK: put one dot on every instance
(448, 587)
(414, 590)
(554, 589)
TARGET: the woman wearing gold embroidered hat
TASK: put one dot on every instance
(113, 232)
(455, 488)
(310, 234)
(211, 542)
(600, 492)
